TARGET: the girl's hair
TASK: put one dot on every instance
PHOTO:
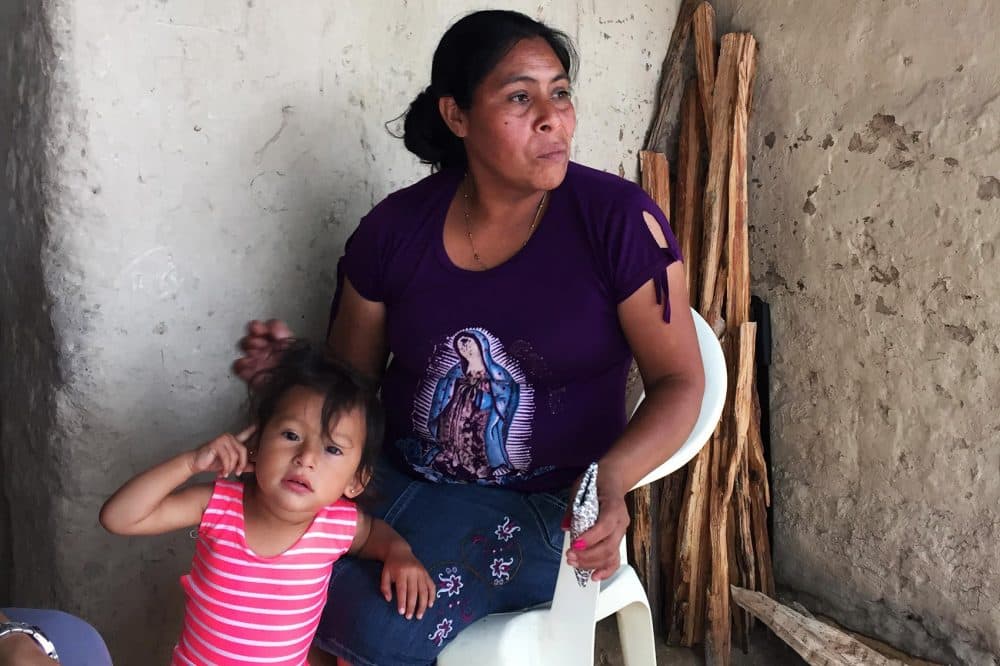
(466, 54)
(342, 389)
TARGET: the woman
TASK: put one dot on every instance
(564, 274)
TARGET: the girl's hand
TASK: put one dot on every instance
(415, 591)
(262, 345)
(598, 547)
(226, 454)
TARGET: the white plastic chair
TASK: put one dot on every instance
(563, 632)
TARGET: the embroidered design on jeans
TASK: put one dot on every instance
(500, 569)
(441, 632)
(505, 530)
(451, 584)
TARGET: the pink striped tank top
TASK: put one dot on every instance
(246, 609)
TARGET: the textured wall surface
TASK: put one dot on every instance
(202, 164)
(875, 206)
(30, 465)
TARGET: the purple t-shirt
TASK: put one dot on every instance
(513, 376)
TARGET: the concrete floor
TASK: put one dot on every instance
(765, 650)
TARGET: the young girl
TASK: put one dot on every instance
(266, 547)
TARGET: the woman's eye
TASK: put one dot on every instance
(520, 98)
(334, 450)
(290, 436)
(564, 94)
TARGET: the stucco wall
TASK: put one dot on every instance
(875, 205)
(29, 463)
(203, 163)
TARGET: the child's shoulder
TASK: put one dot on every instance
(341, 517)
(223, 502)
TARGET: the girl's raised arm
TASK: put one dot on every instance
(151, 504)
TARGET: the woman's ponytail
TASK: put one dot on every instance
(426, 135)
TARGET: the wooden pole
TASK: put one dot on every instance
(691, 568)
(671, 502)
(643, 505)
(760, 499)
(715, 205)
(655, 171)
(817, 643)
(704, 54)
(670, 74)
(737, 313)
(689, 184)
(738, 237)
(718, 635)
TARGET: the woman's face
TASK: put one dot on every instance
(521, 122)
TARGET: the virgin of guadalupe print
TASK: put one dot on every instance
(473, 412)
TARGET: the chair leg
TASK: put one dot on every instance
(635, 630)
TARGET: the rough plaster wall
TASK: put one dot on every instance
(875, 202)
(211, 159)
(28, 461)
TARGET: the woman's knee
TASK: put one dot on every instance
(76, 641)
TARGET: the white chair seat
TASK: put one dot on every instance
(562, 633)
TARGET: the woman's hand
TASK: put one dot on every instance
(598, 547)
(226, 454)
(262, 345)
(415, 591)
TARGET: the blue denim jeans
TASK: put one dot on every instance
(489, 550)
(77, 643)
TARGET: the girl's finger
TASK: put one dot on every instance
(421, 601)
(386, 585)
(411, 599)
(244, 436)
(231, 459)
(401, 595)
(242, 465)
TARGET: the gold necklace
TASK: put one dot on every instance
(468, 223)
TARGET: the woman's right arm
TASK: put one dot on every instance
(358, 334)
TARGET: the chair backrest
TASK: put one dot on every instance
(573, 607)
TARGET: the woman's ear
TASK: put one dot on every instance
(454, 117)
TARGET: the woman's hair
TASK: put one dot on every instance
(466, 54)
(342, 389)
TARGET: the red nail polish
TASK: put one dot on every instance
(579, 544)
(564, 525)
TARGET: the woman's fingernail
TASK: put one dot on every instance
(564, 525)
(579, 544)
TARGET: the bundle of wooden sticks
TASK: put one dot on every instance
(705, 527)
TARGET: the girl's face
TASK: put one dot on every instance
(300, 466)
(521, 121)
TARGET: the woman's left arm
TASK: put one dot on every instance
(670, 364)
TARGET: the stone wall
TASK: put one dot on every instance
(875, 198)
